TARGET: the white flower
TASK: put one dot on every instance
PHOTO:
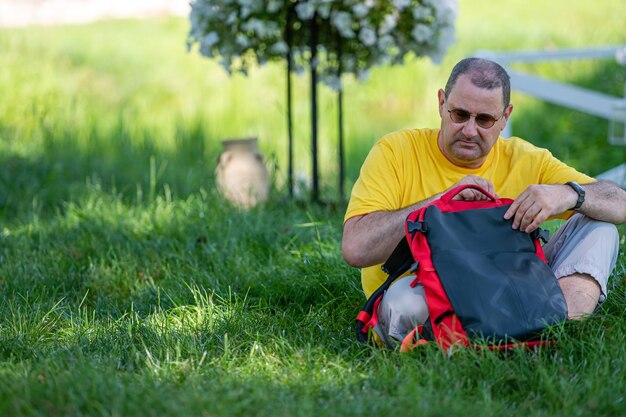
(360, 10)
(226, 64)
(250, 25)
(279, 47)
(270, 28)
(324, 10)
(446, 38)
(232, 18)
(349, 63)
(305, 10)
(421, 12)
(315, 61)
(210, 39)
(299, 69)
(343, 22)
(367, 36)
(363, 75)
(273, 6)
(388, 24)
(421, 33)
(333, 81)
(445, 10)
(261, 28)
(246, 3)
(385, 42)
(401, 4)
(243, 33)
(242, 40)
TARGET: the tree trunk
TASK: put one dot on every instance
(289, 42)
(315, 196)
(340, 123)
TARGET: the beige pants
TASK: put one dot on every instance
(582, 245)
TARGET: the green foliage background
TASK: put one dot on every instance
(127, 287)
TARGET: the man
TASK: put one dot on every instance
(408, 169)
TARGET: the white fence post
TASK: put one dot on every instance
(608, 107)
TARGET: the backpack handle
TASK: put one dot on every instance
(448, 196)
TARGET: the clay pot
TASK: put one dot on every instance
(241, 176)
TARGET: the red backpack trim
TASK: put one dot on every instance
(445, 326)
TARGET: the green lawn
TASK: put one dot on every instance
(128, 288)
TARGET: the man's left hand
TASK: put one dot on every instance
(539, 202)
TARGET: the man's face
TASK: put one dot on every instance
(467, 144)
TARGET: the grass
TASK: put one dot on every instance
(128, 287)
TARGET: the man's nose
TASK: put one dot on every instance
(470, 129)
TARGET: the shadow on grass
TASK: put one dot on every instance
(65, 165)
(256, 361)
(109, 229)
(119, 254)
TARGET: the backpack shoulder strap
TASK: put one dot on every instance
(400, 258)
(398, 263)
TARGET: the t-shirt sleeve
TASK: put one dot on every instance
(556, 172)
(378, 185)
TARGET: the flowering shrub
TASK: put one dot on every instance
(353, 35)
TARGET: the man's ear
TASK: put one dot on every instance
(441, 95)
(508, 111)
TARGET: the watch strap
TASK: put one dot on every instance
(580, 191)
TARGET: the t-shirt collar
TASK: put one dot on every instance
(444, 162)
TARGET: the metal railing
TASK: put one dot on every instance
(598, 104)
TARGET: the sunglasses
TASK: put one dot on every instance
(483, 120)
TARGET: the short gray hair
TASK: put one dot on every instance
(483, 74)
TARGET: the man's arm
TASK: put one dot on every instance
(604, 201)
(371, 238)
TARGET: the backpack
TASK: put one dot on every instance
(486, 284)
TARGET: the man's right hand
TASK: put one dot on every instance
(470, 194)
(369, 239)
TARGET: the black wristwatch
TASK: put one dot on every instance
(581, 194)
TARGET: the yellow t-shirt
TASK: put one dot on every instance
(407, 166)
